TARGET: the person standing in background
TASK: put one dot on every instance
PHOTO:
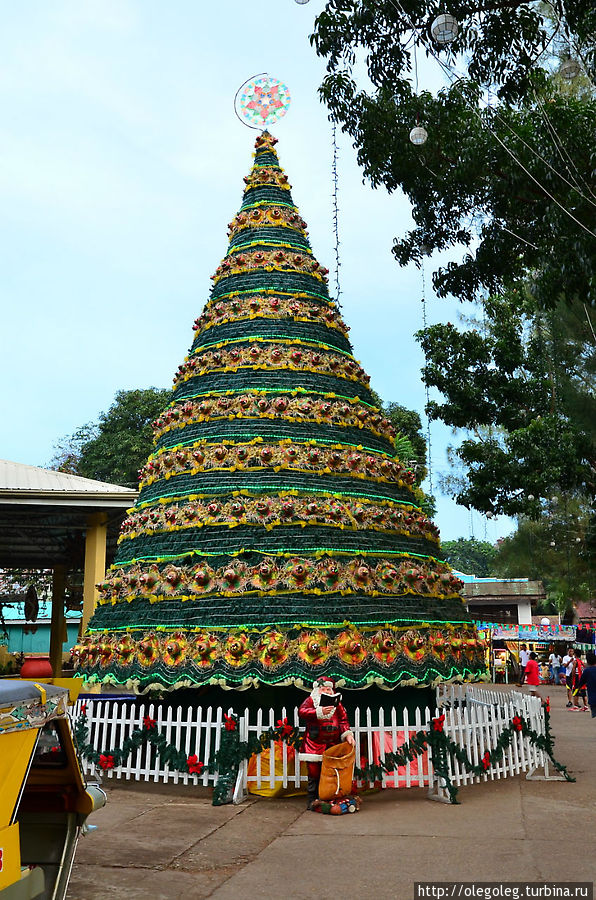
(588, 679)
(554, 662)
(578, 693)
(532, 675)
(524, 656)
(567, 664)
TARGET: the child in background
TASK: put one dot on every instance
(532, 675)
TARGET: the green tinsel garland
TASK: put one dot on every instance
(232, 752)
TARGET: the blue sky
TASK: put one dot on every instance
(121, 163)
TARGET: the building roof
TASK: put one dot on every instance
(19, 482)
(44, 515)
(504, 589)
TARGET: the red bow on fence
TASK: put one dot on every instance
(195, 766)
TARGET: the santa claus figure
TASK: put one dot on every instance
(326, 725)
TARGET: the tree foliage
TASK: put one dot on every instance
(523, 383)
(508, 173)
(115, 448)
(471, 556)
(554, 550)
(515, 180)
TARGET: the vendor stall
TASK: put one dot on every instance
(504, 642)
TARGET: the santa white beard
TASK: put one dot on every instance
(315, 694)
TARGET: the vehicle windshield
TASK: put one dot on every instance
(49, 750)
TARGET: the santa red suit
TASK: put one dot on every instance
(322, 731)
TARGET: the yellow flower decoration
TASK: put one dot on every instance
(148, 651)
(414, 645)
(385, 647)
(273, 649)
(351, 648)
(237, 649)
(313, 648)
(204, 649)
(174, 652)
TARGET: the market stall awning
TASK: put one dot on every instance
(543, 633)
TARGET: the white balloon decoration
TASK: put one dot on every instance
(444, 29)
(418, 135)
(570, 69)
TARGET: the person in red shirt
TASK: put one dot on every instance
(326, 725)
(533, 675)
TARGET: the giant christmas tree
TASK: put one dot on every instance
(276, 536)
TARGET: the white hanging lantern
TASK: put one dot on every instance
(553, 544)
(418, 135)
(530, 497)
(444, 29)
(570, 69)
(301, 1)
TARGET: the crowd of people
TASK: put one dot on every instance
(569, 670)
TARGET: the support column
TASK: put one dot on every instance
(95, 564)
(58, 626)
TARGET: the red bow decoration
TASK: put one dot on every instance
(284, 726)
(84, 709)
(194, 764)
(149, 723)
(517, 723)
(106, 761)
(547, 704)
(439, 723)
(486, 760)
(230, 723)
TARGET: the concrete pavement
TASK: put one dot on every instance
(168, 842)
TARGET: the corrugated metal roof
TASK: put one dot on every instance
(20, 478)
(503, 589)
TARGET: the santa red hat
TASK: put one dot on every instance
(324, 681)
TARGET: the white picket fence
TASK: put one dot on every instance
(474, 718)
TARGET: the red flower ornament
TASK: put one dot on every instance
(439, 723)
(106, 761)
(149, 723)
(517, 723)
(486, 760)
(195, 766)
(230, 723)
(284, 726)
(84, 709)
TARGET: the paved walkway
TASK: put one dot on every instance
(168, 843)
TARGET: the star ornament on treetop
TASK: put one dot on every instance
(262, 101)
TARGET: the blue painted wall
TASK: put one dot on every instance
(19, 642)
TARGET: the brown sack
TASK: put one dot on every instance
(337, 771)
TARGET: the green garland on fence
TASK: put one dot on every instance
(232, 751)
(225, 763)
(443, 747)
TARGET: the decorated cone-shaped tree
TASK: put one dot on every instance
(276, 536)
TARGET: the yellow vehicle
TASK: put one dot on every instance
(44, 800)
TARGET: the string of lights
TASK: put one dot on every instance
(335, 179)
